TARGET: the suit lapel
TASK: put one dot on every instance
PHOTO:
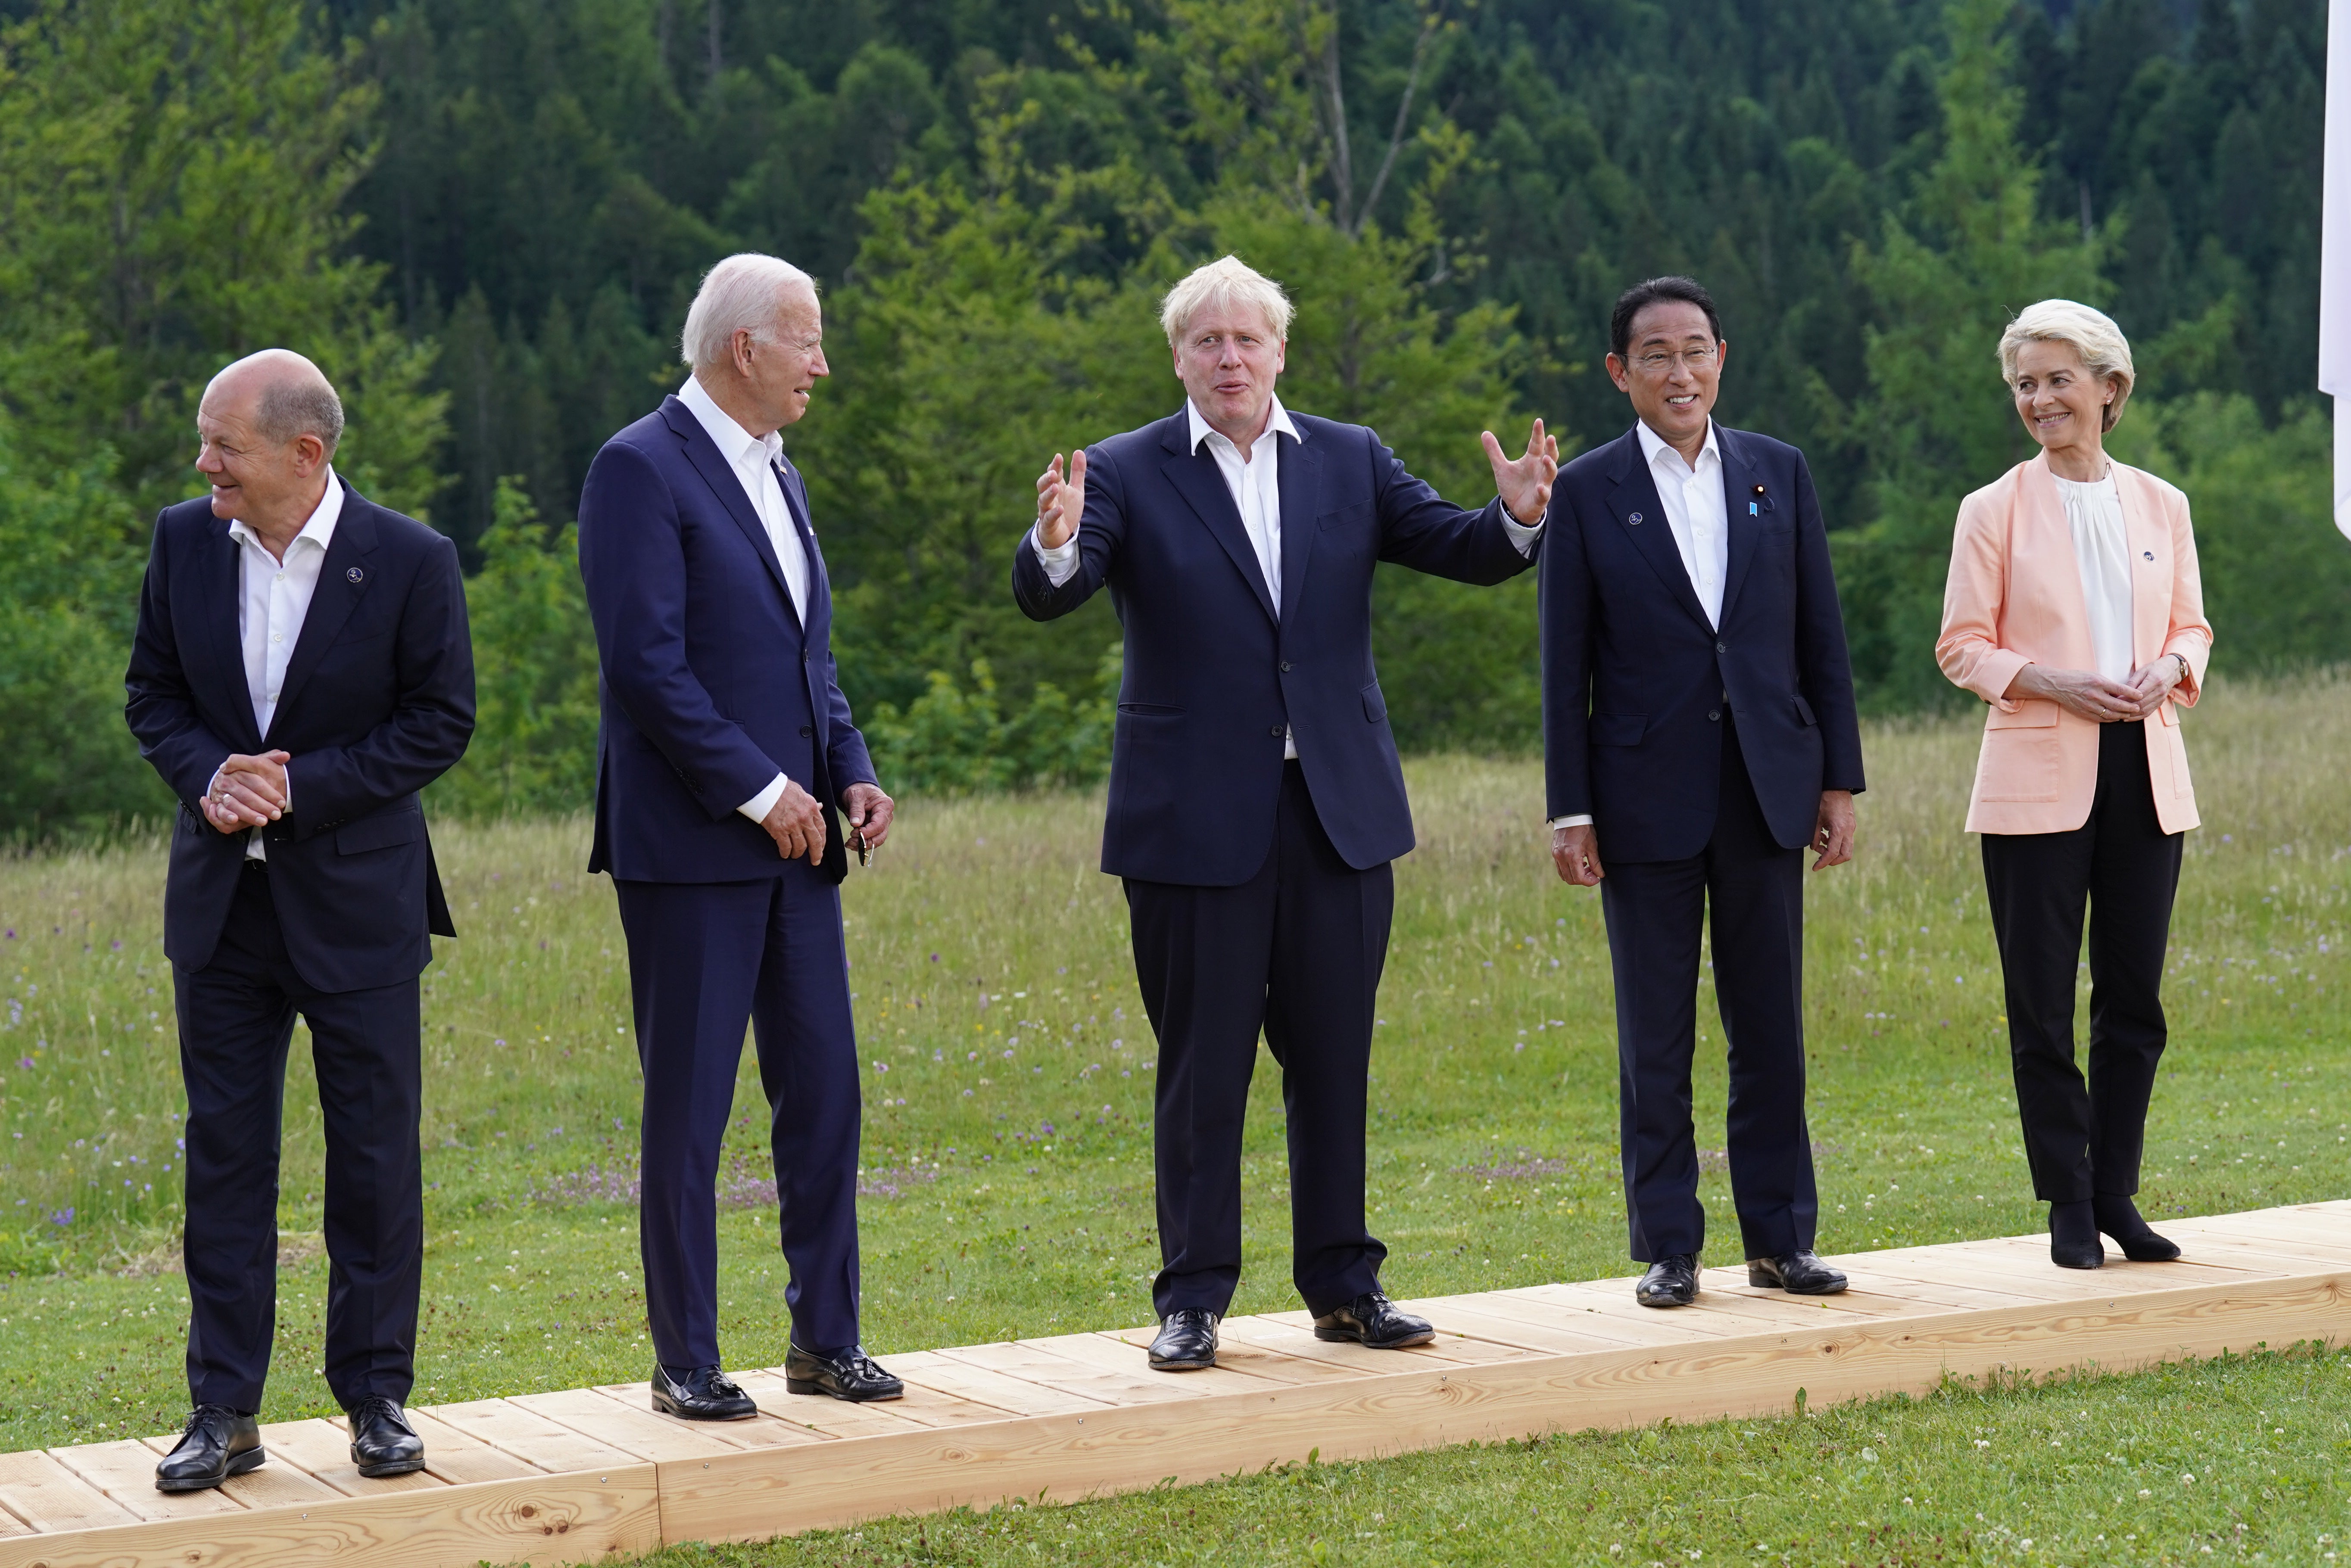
(1196, 478)
(818, 613)
(1636, 495)
(220, 586)
(1299, 482)
(711, 463)
(1739, 483)
(2150, 542)
(344, 579)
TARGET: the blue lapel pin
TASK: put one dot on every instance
(1634, 518)
(1751, 510)
(355, 574)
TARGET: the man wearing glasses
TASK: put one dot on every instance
(1699, 723)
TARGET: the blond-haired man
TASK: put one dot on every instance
(1255, 796)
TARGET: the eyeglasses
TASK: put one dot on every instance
(1659, 363)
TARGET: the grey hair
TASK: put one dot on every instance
(742, 293)
(2105, 352)
(292, 407)
(1225, 281)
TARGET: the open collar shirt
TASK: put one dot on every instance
(273, 600)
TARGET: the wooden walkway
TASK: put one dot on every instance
(568, 1477)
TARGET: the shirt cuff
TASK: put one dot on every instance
(1522, 537)
(759, 804)
(1060, 563)
(1580, 819)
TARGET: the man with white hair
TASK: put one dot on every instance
(726, 755)
(301, 670)
(1255, 795)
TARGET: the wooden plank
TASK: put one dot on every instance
(50, 1498)
(1610, 1313)
(763, 1430)
(1108, 1353)
(1296, 1342)
(544, 1520)
(1035, 1361)
(1866, 1277)
(12, 1525)
(1449, 1345)
(2317, 1239)
(456, 1457)
(325, 1451)
(610, 1422)
(125, 1471)
(1235, 1352)
(531, 1437)
(936, 1370)
(278, 1484)
(1517, 1328)
(918, 1407)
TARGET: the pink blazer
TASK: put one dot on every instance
(2014, 598)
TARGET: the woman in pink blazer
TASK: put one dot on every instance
(2075, 609)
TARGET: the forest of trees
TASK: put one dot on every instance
(485, 218)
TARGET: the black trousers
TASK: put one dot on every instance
(704, 961)
(1655, 911)
(2083, 1138)
(1296, 950)
(237, 1018)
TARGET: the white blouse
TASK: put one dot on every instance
(2102, 551)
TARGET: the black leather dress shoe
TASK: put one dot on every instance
(221, 1443)
(701, 1394)
(1671, 1282)
(1373, 1320)
(849, 1374)
(1186, 1341)
(383, 1442)
(1800, 1273)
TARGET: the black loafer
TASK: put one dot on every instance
(1186, 1341)
(1671, 1282)
(849, 1374)
(1800, 1273)
(701, 1394)
(383, 1442)
(1371, 1319)
(221, 1443)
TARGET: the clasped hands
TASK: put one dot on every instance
(2090, 695)
(797, 825)
(1575, 851)
(248, 792)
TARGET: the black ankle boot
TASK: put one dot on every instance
(2118, 1217)
(2073, 1236)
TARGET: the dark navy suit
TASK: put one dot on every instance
(711, 687)
(377, 702)
(1700, 753)
(1259, 891)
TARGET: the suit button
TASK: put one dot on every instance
(1713, 714)
(1275, 731)
(807, 730)
(1285, 667)
(1722, 647)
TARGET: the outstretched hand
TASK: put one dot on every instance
(1525, 484)
(1061, 502)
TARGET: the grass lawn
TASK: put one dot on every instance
(1008, 1187)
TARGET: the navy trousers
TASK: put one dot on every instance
(1295, 951)
(237, 1020)
(1655, 911)
(705, 959)
(2083, 1138)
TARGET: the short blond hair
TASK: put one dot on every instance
(2105, 352)
(1227, 280)
(745, 293)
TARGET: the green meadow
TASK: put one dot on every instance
(1006, 1182)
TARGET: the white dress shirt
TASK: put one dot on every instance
(273, 600)
(2102, 551)
(755, 462)
(1255, 482)
(1699, 517)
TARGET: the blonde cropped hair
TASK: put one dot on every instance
(1227, 280)
(2105, 352)
(745, 293)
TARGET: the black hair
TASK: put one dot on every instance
(1629, 304)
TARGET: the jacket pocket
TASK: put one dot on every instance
(381, 831)
(1345, 515)
(1376, 707)
(1617, 729)
(2033, 714)
(1804, 711)
(1151, 710)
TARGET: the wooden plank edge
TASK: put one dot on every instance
(540, 1519)
(758, 1496)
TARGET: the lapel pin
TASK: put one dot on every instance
(2148, 553)
(355, 574)
(1634, 518)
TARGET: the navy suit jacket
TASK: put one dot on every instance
(1635, 681)
(378, 702)
(1212, 674)
(711, 685)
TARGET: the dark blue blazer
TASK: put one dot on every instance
(378, 702)
(711, 685)
(1635, 679)
(1212, 674)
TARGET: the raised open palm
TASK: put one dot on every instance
(1061, 502)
